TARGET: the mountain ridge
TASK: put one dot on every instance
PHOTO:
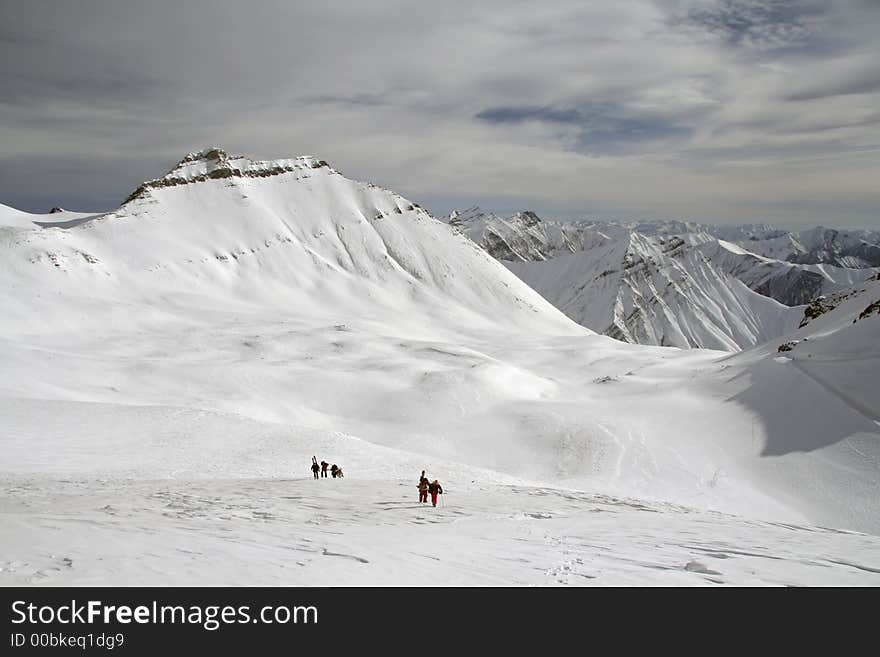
(672, 282)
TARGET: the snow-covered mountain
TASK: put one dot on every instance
(789, 283)
(663, 283)
(284, 234)
(170, 368)
(851, 249)
(792, 267)
(523, 236)
(653, 288)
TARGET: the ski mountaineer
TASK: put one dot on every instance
(435, 489)
(315, 467)
(324, 465)
(423, 488)
(334, 470)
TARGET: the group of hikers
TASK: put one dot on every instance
(426, 487)
(335, 470)
(432, 487)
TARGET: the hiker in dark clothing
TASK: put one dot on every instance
(334, 469)
(315, 467)
(423, 488)
(435, 489)
(324, 465)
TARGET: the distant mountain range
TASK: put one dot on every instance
(675, 283)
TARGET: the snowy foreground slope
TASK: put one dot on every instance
(171, 367)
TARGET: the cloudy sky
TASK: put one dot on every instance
(711, 110)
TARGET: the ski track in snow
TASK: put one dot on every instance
(860, 408)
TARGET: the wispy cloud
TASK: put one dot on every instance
(853, 82)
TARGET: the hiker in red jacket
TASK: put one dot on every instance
(435, 489)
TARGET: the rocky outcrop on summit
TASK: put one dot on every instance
(215, 163)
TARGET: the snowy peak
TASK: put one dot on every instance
(522, 237)
(210, 160)
(527, 218)
(645, 227)
(215, 163)
(857, 249)
(467, 216)
(291, 234)
(851, 249)
(746, 232)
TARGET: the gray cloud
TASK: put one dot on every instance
(601, 127)
(859, 82)
(763, 24)
(678, 108)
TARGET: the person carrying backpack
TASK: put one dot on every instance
(424, 482)
(324, 465)
(315, 467)
(334, 470)
(435, 489)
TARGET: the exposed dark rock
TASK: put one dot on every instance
(873, 308)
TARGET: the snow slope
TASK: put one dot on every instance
(814, 393)
(788, 283)
(12, 218)
(171, 367)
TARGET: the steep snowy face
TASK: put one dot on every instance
(661, 291)
(657, 288)
(294, 235)
(790, 284)
(523, 236)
